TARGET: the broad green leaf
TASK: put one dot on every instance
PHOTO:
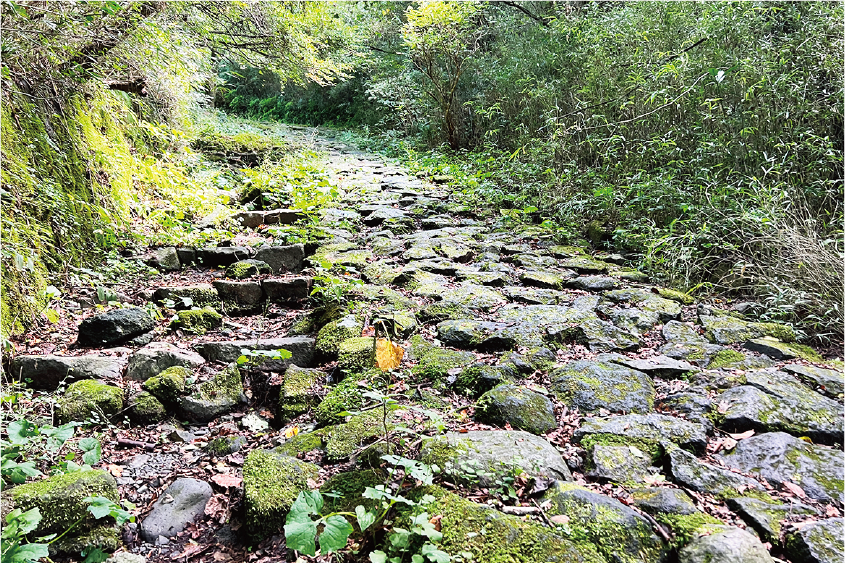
(96, 555)
(93, 450)
(365, 518)
(20, 431)
(27, 521)
(101, 507)
(378, 557)
(306, 504)
(29, 552)
(435, 554)
(335, 533)
(61, 433)
(300, 535)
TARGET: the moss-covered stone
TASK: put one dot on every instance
(345, 396)
(197, 321)
(188, 296)
(493, 537)
(146, 408)
(272, 482)
(685, 527)
(477, 379)
(60, 499)
(332, 334)
(522, 408)
(243, 269)
(343, 492)
(214, 397)
(675, 295)
(168, 385)
(344, 440)
(296, 396)
(225, 445)
(435, 362)
(302, 443)
(356, 354)
(89, 398)
(725, 358)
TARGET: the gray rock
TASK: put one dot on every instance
(522, 408)
(775, 401)
(181, 503)
(470, 333)
(620, 464)
(726, 545)
(772, 347)
(249, 219)
(222, 256)
(723, 328)
(827, 381)
(619, 532)
(156, 357)
(779, 457)
(301, 348)
(240, 297)
(686, 470)
(661, 366)
(187, 256)
(593, 283)
(663, 500)
(654, 428)
(817, 542)
(47, 372)
(546, 279)
(283, 259)
(591, 385)
(476, 379)
(765, 517)
(597, 335)
(492, 453)
(215, 397)
(666, 309)
(126, 557)
(166, 259)
(382, 214)
(286, 289)
(248, 268)
(695, 406)
(115, 327)
(684, 343)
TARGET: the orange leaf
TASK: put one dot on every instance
(227, 480)
(369, 331)
(388, 354)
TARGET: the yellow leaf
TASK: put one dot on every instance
(388, 354)
(291, 432)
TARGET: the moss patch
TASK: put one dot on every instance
(725, 358)
(675, 295)
(302, 443)
(434, 361)
(295, 396)
(685, 527)
(356, 354)
(197, 321)
(147, 409)
(343, 440)
(169, 384)
(345, 396)
(87, 398)
(335, 332)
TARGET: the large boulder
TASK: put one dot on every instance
(114, 327)
(490, 454)
(282, 259)
(183, 502)
(522, 408)
(767, 517)
(829, 382)
(156, 357)
(47, 372)
(726, 545)
(214, 397)
(591, 385)
(271, 484)
(90, 399)
(618, 532)
(818, 542)
(620, 464)
(780, 458)
(61, 501)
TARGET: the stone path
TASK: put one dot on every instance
(631, 410)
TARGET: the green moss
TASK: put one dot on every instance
(654, 449)
(335, 332)
(89, 397)
(243, 269)
(60, 499)
(343, 492)
(226, 383)
(295, 396)
(169, 384)
(356, 354)
(343, 440)
(271, 483)
(783, 333)
(675, 295)
(197, 321)
(147, 409)
(806, 353)
(434, 361)
(493, 537)
(302, 443)
(345, 396)
(104, 536)
(725, 358)
(685, 527)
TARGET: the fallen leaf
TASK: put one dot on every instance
(560, 519)
(794, 489)
(227, 480)
(728, 444)
(115, 470)
(388, 354)
(436, 521)
(369, 331)
(220, 556)
(291, 432)
(831, 511)
(217, 508)
(723, 407)
(743, 435)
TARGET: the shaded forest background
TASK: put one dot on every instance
(703, 140)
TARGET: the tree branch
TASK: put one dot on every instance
(537, 19)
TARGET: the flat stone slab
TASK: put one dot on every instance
(287, 289)
(492, 452)
(181, 503)
(592, 385)
(661, 366)
(779, 458)
(47, 372)
(283, 259)
(222, 256)
(654, 428)
(727, 545)
(156, 357)
(688, 471)
(826, 381)
(301, 348)
(765, 517)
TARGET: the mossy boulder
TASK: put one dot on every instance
(725, 358)
(272, 482)
(188, 296)
(296, 396)
(345, 440)
(766, 516)
(214, 397)
(356, 354)
(197, 321)
(675, 295)
(435, 362)
(302, 443)
(493, 537)
(818, 542)
(724, 543)
(243, 269)
(349, 488)
(618, 532)
(332, 334)
(345, 396)
(60, 499)
(90, 398)
(620, 464)
(829, 382)
(145, 408)
(225, 445)
(522, 408)
(688, 471)
(723, 328)
(663, 500)
(168, 385)
(591, 385)
(777, 350)
(477, 379)
(644, 431)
